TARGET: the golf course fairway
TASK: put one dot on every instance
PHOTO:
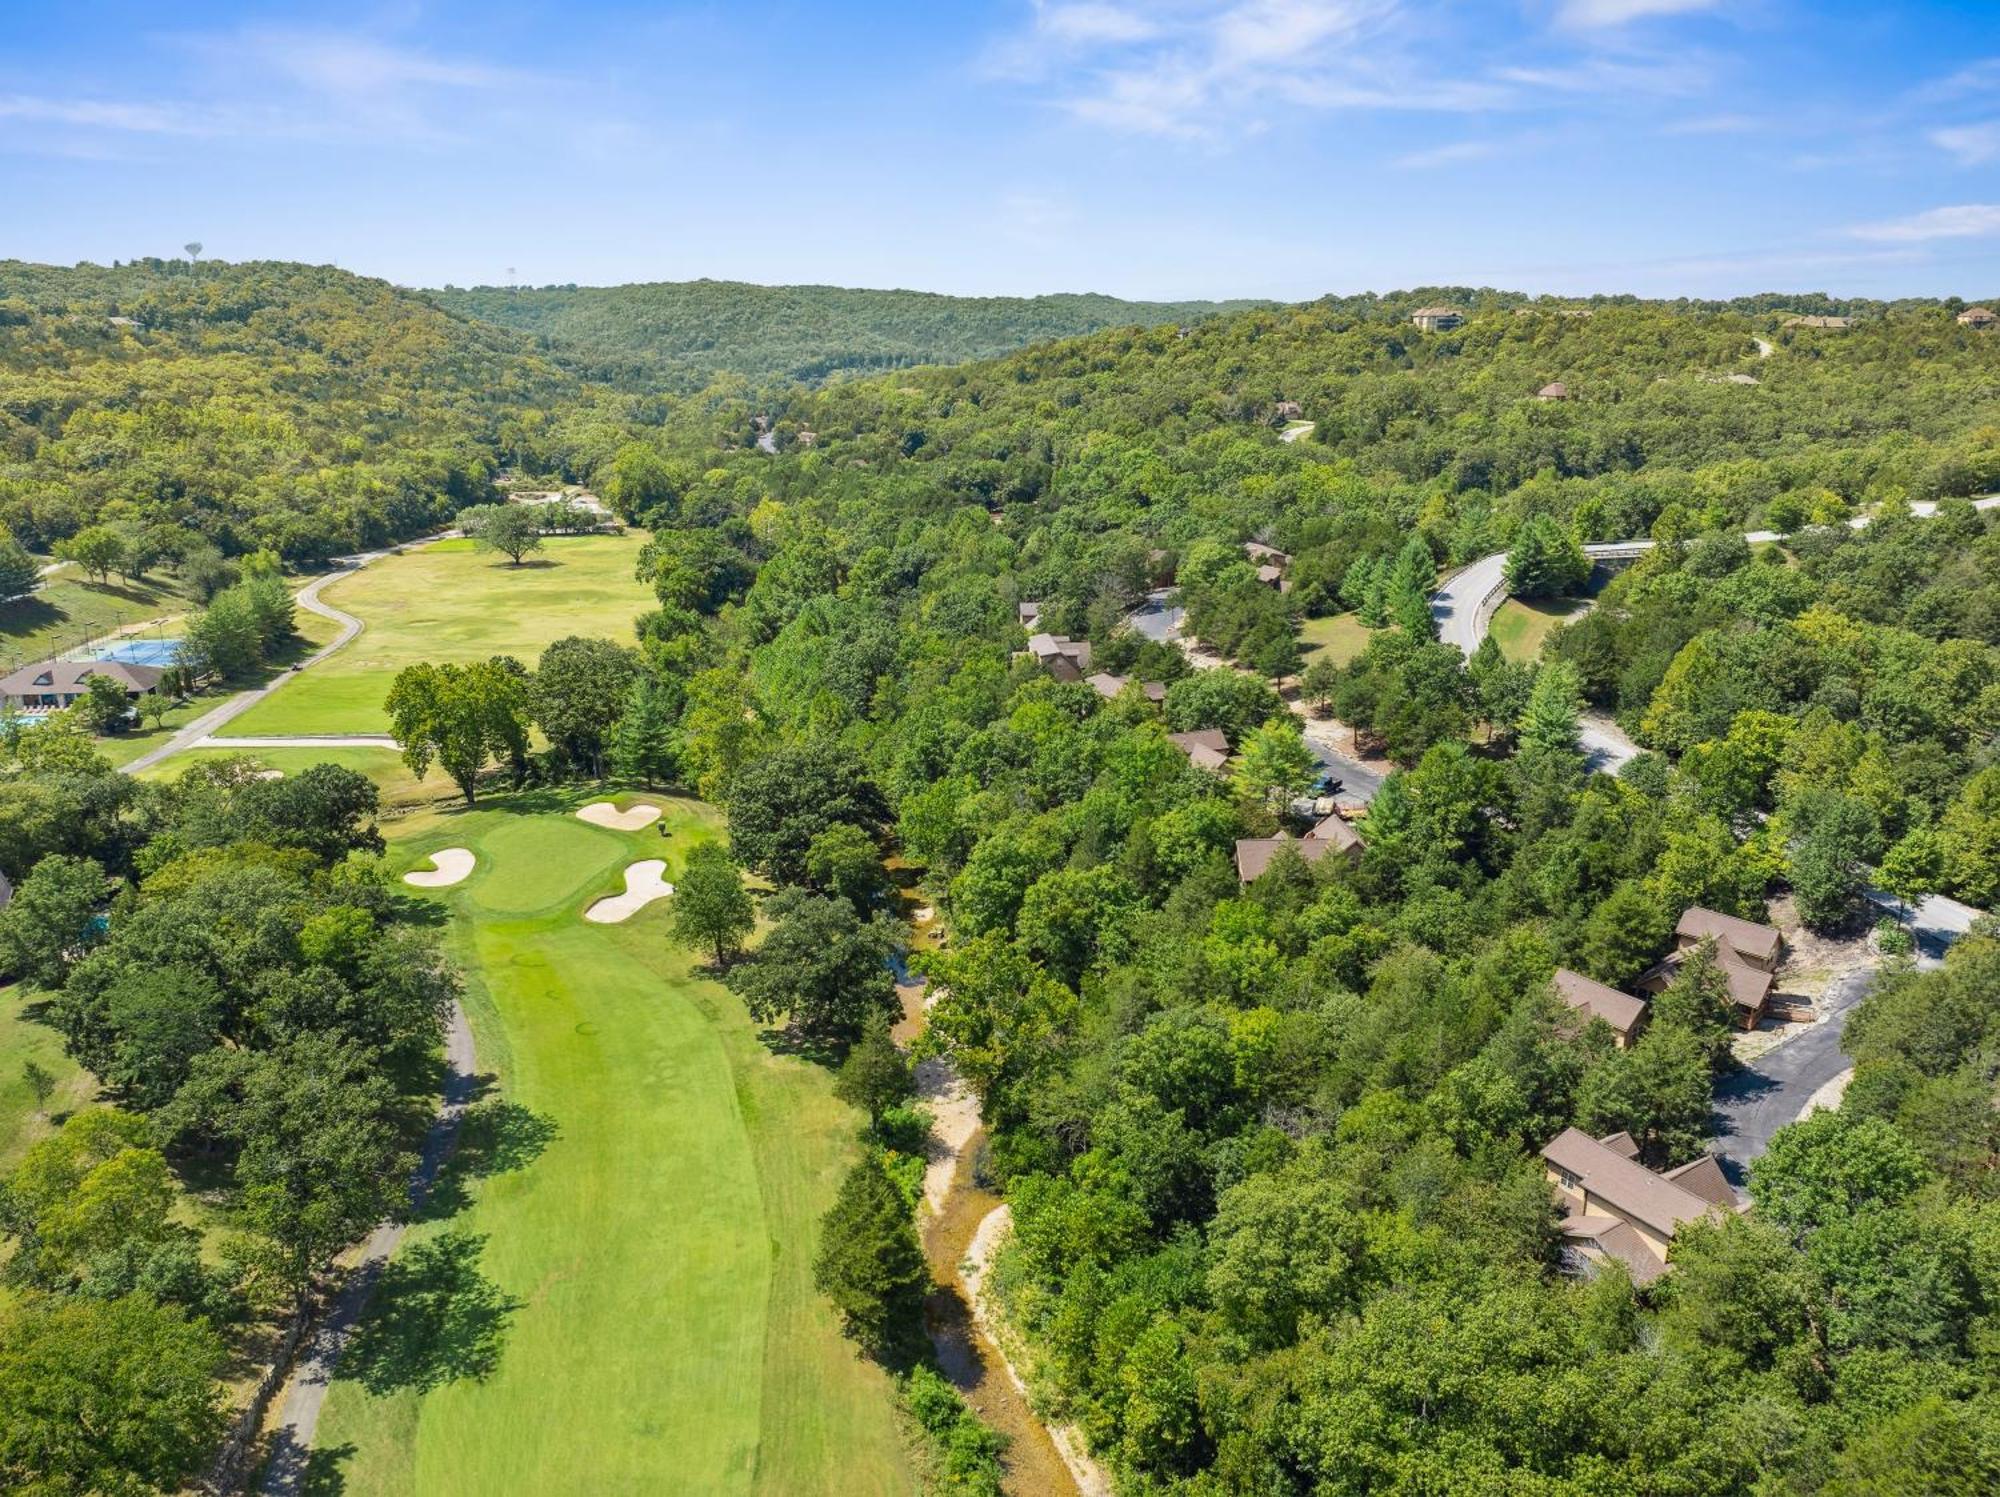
(613, 1290)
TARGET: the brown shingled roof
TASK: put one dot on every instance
(1254, 854)
(1620, 1010)
(1759, 943)
(1624, 1184)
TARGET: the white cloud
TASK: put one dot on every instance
(1961, 221)
(1971, 144)
(1452, 154)
(1094, 23)
(102, 114)
(1593, 15)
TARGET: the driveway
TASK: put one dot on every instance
(1773, 1089)
(1155, 620)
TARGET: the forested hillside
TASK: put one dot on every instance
(1271, 1147)
(296, 407)
(683, 333)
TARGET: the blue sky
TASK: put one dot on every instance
(1161, 148)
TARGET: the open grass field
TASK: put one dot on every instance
(401, 791)
(68, 610)
(1339, 637)
(1519, 627)
(448, 602)
(23, 1120)
(614, 1293)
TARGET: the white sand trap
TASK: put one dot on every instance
(603, 813)
(269, 774)
(643, 885)
(452, 866)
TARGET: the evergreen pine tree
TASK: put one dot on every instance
(870, 1264)
(642, 744)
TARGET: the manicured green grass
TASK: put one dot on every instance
(1339, 637)
(664, 1335)
(1520, 626)
(448, 602)
(23, 1120)
(69, 610)
(400, 790)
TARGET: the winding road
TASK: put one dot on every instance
(195, 733)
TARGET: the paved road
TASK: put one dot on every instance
(305, 1393)
(1773, 1090)
(194, 733)
(1298, 431)
(1465, 602)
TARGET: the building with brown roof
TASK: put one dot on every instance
(1977, 317)
(1206, 748)
(1291, 410)
(1030, 614)
(806, 439)
(1748, 942)
(1065, 659)
(1817, 320)
(1438, 319)
(1259, 552)
(1554, 390)
(1746, 953)
(1333, 835)
(1625, 1014)
(1617, 1208)
(50, 685)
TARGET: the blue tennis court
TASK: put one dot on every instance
(161, 652)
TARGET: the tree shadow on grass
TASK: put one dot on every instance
(785, 1040)
(435, 1319)
(310, 1473)
(496, 1137)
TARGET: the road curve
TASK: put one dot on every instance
(1465, 602)
(192, 734)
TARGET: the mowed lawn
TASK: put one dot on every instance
(400, 789)
(1520, 626)
(656, 1251)
(449, 602)
(1340, 637)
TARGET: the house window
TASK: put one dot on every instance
(1569, 1181)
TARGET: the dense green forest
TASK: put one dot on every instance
(1271, 1148)
(1280, 1226)
(681, 334)
(296, 408)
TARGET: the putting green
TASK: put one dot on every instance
(657, 1250)
(448, 602)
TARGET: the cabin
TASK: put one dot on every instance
(1593, 1000)
(1065, 659)
(1333, 835)
(1030, 614)
(1977, 317)
(1555, 390)
(1747, 953)
(1438, 319)
(1616, 1208)
(1836, 323)
(1206, 748)
(51, 685)
(806, 439)
(1291, 410)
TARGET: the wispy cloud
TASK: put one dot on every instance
(275, 84)
(1598, 14)
(1960, 221)
(1455, 153)
(1973, 145)
(1714, 124)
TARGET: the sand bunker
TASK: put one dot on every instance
(603, 813)
(643, 885)
(453, 865)
(268, 774)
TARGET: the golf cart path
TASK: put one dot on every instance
(305, 1391)
(193, 734)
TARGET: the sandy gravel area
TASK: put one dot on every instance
(603, 813)
(643, 885)
(450, 865)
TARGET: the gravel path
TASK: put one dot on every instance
(305, 1393)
